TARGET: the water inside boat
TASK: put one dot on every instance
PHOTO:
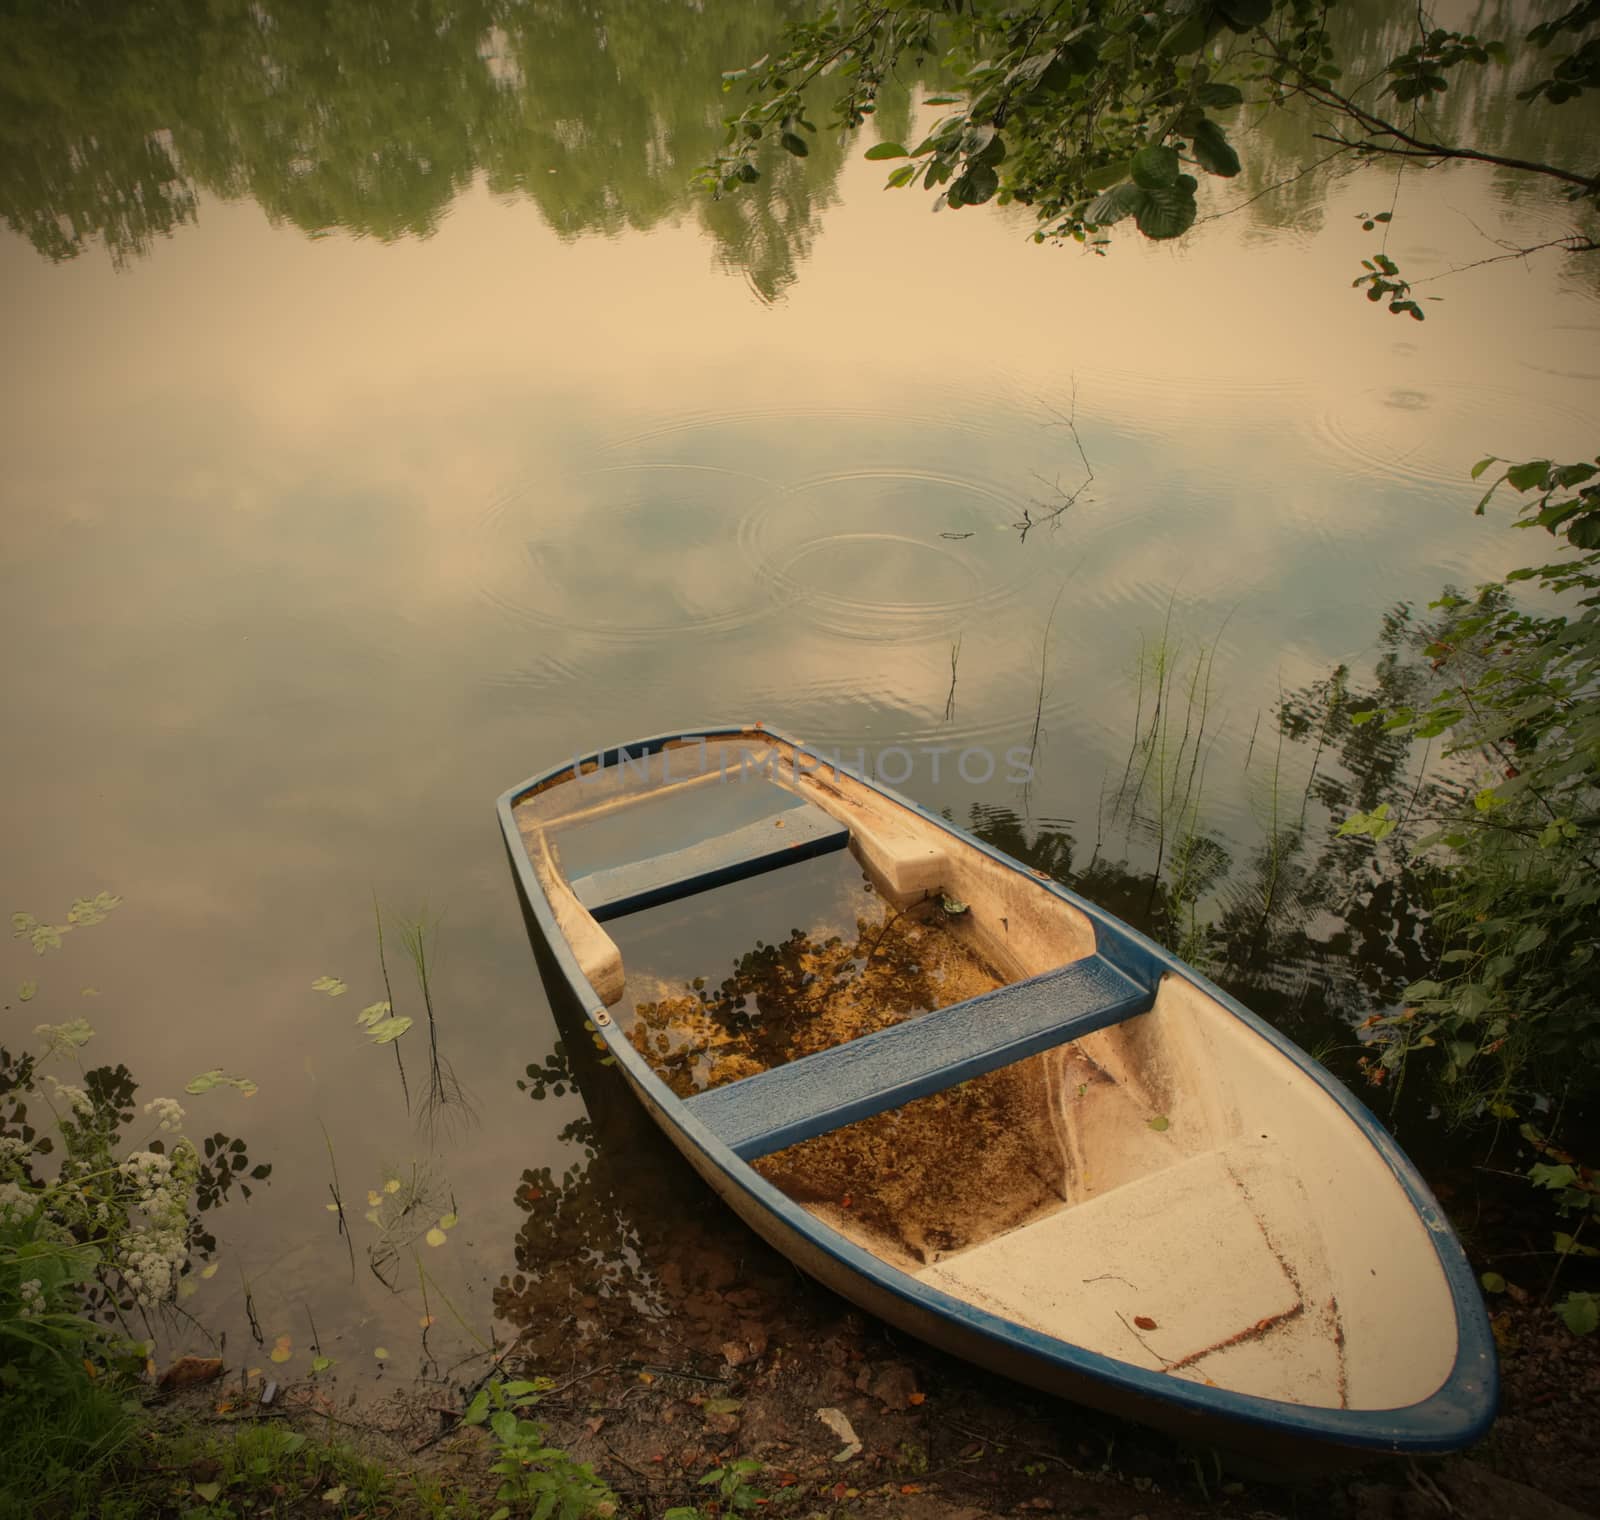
(1163, 1188)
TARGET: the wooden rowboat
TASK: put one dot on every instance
(990, 1113)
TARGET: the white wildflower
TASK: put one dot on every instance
(75, 1098)
(16, 1203)
(168, 1114)
(151, 1256)
(32, 1298)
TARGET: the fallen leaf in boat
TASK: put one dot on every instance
(916, 1398)
(1159, 1123)
(911, 1488)
(846, 1201)
(1144, 1322)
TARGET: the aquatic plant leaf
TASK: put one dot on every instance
(320, 1363)
(210, 1269)
(26, 992)
(72, 1035)
(93, 910)
(385, 1031)
(381, 1352)
(218, 1078)
(373, 1013)
(448, 1221)
(331, 985)
(435, 1236)
(47, 937)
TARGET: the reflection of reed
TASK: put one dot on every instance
(388, 993)
(445, 1094)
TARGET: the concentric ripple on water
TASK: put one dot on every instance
(886, 554)
(625, 552)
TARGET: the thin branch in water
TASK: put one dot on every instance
(950, 699)
(338, 1205)
(1044, 654)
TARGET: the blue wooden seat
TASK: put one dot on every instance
(923, 1055)
(797, 833)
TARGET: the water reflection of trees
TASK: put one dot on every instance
(372, 119)
(1307, 927)
(1480, 107)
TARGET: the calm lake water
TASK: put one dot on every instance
(386, 420)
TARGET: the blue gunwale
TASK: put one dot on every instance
(1454, 1416)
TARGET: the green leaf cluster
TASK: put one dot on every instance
(1510, 1008)
(538, 1480)
(1057, 104)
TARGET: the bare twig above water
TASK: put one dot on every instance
(1051, 512)
(950, 699)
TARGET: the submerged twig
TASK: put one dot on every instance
(1044, 656)
(950, 698)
